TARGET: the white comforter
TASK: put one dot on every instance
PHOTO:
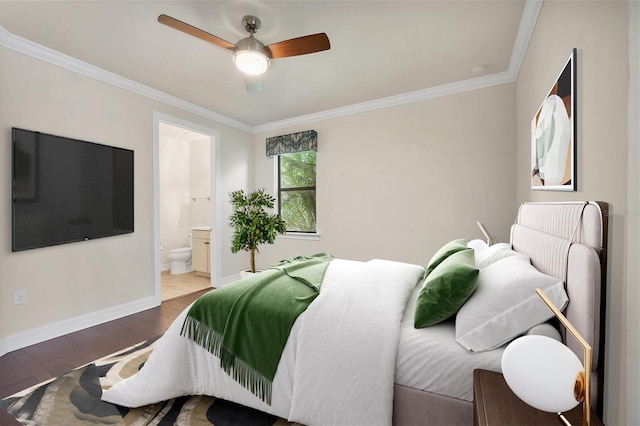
(337, 366)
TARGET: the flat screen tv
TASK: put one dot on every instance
(67, 190)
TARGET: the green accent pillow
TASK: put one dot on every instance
(445, 251)
(446, 289)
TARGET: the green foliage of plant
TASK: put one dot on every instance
(253, 224)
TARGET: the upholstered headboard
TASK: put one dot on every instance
(569, 241)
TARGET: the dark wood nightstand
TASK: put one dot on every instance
(495, 404)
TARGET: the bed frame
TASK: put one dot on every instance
(566, 240)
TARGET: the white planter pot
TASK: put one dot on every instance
(245, 274)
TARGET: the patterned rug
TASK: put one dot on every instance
(74, 399)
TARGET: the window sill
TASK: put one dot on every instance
(300, 236)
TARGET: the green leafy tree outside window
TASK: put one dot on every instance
(297, 190)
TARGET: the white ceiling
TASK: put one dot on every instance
(379, 49)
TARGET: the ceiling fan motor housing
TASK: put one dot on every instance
(252, 44)
(251, 23)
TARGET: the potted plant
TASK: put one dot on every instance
(253, 223)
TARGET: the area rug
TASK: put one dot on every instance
(74, 399)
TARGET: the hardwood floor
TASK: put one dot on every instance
(34, 364)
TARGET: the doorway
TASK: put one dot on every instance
(186, 198)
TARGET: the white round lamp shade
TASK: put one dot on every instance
(251, 62)
(542, 372)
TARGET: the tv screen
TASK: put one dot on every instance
(66, 190)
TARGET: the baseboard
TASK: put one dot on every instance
(40, 334)
(228, 280)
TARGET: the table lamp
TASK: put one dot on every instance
(548, 375)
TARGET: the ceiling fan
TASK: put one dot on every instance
(249, 54)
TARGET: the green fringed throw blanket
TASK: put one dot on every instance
(247, 324)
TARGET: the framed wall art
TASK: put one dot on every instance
(553, 134)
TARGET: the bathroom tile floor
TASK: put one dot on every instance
(178, 285)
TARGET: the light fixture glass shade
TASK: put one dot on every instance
(251, 62)
(543, 373)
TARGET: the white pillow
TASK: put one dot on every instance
(496, 252)
(505, 304)
(477, 245)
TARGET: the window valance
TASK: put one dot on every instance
(294, 142)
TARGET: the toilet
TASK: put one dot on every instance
(180, 260)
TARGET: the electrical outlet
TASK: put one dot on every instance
(20, 297)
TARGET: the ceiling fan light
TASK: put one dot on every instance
(251, 62)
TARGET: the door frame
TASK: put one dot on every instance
(216, 205)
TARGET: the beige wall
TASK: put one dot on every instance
(599, 30)
(399, 182)
(73, 280)
(633, 221)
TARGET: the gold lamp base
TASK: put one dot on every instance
(582, 389)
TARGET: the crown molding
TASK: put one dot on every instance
(46, 54)
(525, 31)
(4, 36)
(404, 98)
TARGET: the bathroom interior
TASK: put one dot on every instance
(185, 210)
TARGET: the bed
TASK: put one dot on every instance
(564, 240)
(346, 360)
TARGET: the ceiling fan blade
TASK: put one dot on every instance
(196, 32)
(253, 83)
(300, 46)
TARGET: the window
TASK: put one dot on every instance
(296, 175)
(297, 190)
